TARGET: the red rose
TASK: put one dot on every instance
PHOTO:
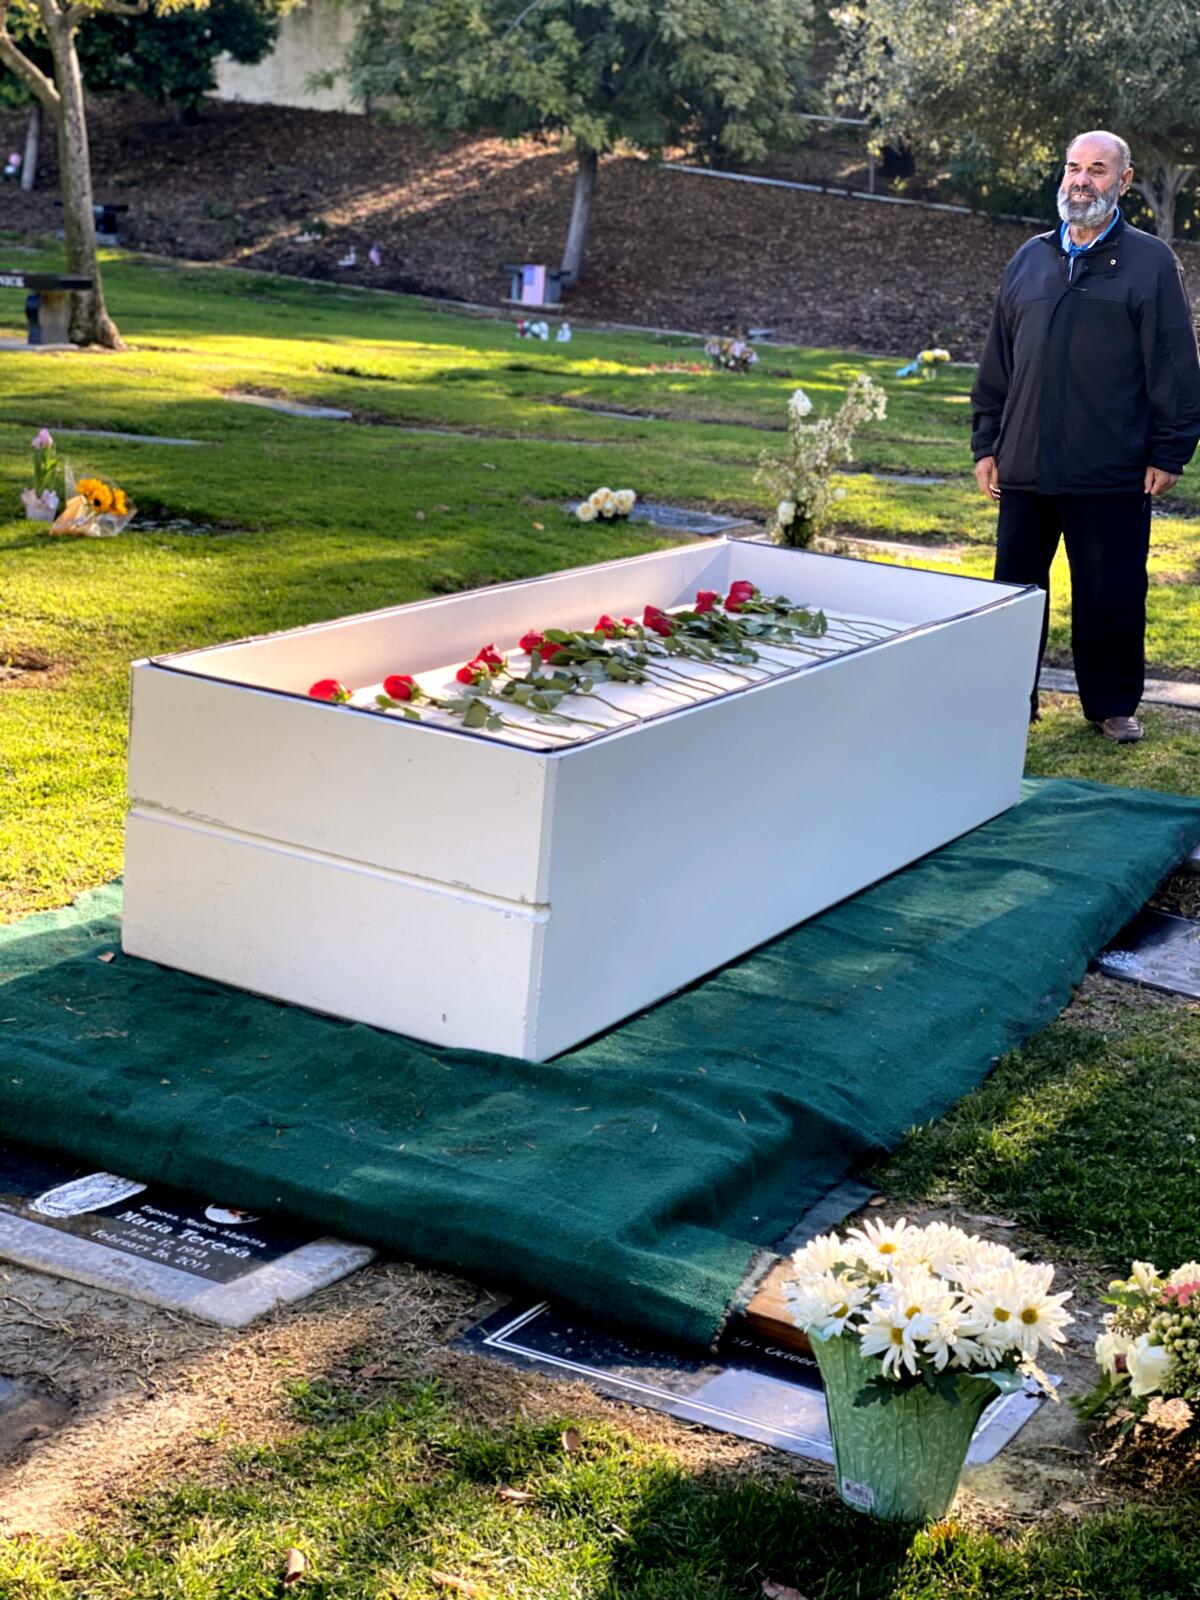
(329, 689)
(739, 593)
(471, 673)
(490, 658)
(606, 625)
(530, 641)
(706, 599)
(628, 622)
(658, 622)
(400, 686)
(549, 650)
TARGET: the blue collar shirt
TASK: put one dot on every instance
(1073, 249)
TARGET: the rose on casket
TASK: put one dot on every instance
(726, 632)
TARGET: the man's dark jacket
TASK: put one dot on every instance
(1090, 373)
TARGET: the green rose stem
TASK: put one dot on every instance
(495, 720)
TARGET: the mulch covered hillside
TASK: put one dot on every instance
(667, 249)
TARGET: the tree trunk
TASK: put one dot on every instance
(90, 321)
(581, 215)
(1161, 191)
(33, 138)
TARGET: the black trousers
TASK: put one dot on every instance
(1108, 542)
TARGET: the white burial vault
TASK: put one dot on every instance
(510, 891)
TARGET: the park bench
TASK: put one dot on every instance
(534, 286)
(48, 305)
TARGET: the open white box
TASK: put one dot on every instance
(473, 892)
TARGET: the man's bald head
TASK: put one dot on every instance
(1096, 173)
(1121, 155)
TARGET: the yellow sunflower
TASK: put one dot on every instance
(99, 495)
(119, 503)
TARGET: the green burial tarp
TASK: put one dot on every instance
(636, 1176)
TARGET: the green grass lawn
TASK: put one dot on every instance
(1089, 1134)
(387, 1502)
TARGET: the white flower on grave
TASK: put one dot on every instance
(882, 1245)
(1149, 1365)
(890, 1334)
(826, 1304)
(625, 499)
(585, 511)
(799, 405)
(1041, 1317)
(599, 498)
(785, 513)
(1108, 1347)
(1145, 1275)
(1189, 1272)
(819, 1255)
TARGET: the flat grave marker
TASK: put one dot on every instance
(1158, 951)
(175, 1250)
(749, 1388)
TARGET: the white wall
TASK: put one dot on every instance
(311, 39)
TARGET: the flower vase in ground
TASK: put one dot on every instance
(915, 1330)
(901, 1460)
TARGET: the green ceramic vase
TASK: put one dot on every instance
(900, 1461)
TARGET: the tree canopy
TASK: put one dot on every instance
(646, 73)
(1011, 81)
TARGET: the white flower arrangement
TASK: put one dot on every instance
(731, 355)
(607, 504)
(801, 482)
(926, 1303)
(1151, 1341)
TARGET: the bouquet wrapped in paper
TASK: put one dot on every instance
(94, 508)
(42, 501)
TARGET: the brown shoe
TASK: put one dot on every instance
(1122, 730)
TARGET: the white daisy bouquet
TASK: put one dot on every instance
(606, 504)
(926, 1305)
(1150, 1346)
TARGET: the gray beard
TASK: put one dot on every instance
(1088, 213)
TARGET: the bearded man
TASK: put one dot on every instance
(1086, 406)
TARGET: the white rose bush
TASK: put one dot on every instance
(1149, 1351)
(916, 1331)
(801, 482)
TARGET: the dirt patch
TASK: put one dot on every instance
(22, 667)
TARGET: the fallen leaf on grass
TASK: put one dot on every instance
(108, 955)
(447, 1580)
(571, 1441)
(372, 1371)
(518, 1497)
(877, 1200)
(780, 1591)
(296, 1567)
(990, 1221)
